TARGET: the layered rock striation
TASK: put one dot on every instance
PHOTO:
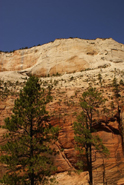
(64, 56)
(71, 66)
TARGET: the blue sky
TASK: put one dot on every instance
(25, 23)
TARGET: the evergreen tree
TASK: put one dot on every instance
(27, 153)
(100, 78)
(83, 129)
(116, 87)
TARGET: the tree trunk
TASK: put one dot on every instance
(90, 152)
(31, 153)
(32, 177)
(89, 161)
(90, 166)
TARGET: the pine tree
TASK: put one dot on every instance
(83, 129)
(27, 153)
(116, 87)
(100, 78)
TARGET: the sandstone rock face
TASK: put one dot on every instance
(122, 123)
(64, 56)
(72, 178)
(109, 170)
(120, 182)
(79, 62)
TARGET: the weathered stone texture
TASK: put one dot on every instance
(73, 56)
(64, 56)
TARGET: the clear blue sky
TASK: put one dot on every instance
(32, 22)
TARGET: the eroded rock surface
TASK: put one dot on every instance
(64, 56)
(79, 62)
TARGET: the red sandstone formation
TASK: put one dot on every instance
(67, 56)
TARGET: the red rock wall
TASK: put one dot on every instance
(63, 114)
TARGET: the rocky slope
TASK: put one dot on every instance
(64, 56)
(71, 66)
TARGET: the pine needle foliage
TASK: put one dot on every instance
(83, 129)
(27, 153)
(116, 88)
